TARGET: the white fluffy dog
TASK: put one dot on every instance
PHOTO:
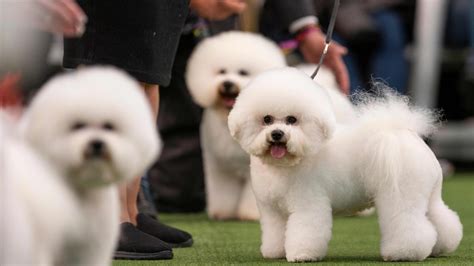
(94, 128)
(305, 167)
(217, 71)
(37, 209)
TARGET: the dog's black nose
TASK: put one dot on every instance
(228, 86)
(96, 147)
(277, 135)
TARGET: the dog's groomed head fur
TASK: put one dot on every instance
(221, 66)
(94, 125)
(282, 116)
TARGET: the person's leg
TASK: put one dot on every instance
(152, 92)
(124, 216)
(145, 223)
(155, 242)
(177, 178)
(132, 195)
(388, 61)
(133, 188)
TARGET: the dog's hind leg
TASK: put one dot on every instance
(248, 205)
(406, 232)
(446, 222)
(401, 173)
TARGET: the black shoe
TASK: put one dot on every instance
(174, 237)
(137, 245)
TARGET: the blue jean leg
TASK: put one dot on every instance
(352, 68)
(388, 62)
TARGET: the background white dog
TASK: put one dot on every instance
(217, 71)
(305, 166)
(94, 128)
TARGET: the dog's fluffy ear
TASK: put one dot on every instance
(235, 121)
(326, 128)
(326, 125)
(242, 127)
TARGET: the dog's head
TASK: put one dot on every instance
(282, 116)
(222, 65)
(94, 125)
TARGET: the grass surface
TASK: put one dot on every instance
(355, 240)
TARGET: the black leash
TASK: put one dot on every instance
(328, 37)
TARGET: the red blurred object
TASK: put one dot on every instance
(10, 91)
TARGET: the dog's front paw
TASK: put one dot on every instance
(221, 215)
(249, 215)
(305, 249)
(273, 251)
(303, 257)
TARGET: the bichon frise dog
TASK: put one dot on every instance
(37, 208)
(94, 127)
(217, 71)
(305, 167)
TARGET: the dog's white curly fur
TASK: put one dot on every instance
(233, 57)
(69, 197)
(380, 159)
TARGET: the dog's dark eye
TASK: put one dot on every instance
(243, 72)
(108, 126)
(222, 71)
(78, 126)
(290, 120)
(268, 120)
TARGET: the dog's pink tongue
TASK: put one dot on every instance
(278, 151)
(229, 102)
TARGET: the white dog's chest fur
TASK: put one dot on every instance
(220, 147)
(287, 189)
(99, 211)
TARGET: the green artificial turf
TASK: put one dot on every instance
(355, 240)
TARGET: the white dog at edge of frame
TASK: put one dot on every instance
(305, 167)
(83, 133)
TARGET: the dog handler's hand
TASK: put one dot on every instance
(312, 47)
(217, 9)
(57, 16)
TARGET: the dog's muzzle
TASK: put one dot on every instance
(228, 91)
(96, 149)
(277, 143)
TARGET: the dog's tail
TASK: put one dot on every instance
(387, 110)
(394, 147)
